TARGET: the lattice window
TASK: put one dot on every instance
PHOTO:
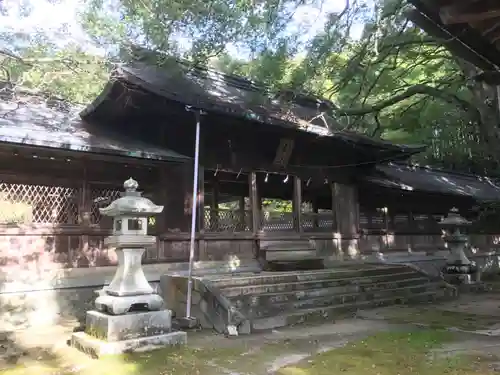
(363, 220)
(43, 204)
(426, 223)
(101, 197)
(276, 221)
(317, 221)
(370, 220)
(226, 220)
(401, 219)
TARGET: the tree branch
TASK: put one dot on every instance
(411, 91)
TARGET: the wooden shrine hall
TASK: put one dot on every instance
(279, 189)
(274, 172)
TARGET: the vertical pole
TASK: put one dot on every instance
(297, 204)
(194, 209)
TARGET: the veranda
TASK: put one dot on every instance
(50, 198)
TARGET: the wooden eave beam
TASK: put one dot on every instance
(454, 14)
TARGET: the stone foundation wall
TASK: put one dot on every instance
(37, 299)
(373, 246)
(487, 263)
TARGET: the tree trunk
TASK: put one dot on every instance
(485, 99)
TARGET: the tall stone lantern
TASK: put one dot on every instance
(459, 269)
(129, 316)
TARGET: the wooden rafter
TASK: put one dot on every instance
(467, 13)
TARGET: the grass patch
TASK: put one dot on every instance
(390, 354)
(382, 354)
(240, 357)
(169, 361)
(438, 319)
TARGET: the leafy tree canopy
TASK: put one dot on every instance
(384, 75)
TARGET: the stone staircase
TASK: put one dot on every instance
(289, 255)
(271, 300)
(249, 302)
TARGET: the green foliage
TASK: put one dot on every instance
(69, 73)
(276, 205)
(393, 82)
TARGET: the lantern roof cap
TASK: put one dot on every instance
(454, 219)
(131, 203)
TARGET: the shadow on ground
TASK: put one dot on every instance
(299, 350)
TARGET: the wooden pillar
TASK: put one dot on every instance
(297, 204)
(410, 232)
(178, 196)
(84, 213)
(346, 213)
(214, 206)
(346, 208)
(315, 209)
(161, 199)
(242, 216)
(255, 202)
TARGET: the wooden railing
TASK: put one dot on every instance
(317, 222)
(272, 221)
(399, 223)
(226, 220)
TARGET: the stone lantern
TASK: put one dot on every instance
(129, 314)
(458, 269)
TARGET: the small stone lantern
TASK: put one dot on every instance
(458, 269)
(129, 316)
(130, 222)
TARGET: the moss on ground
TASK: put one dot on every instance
(391, 354)
(437, 318)
(382, 354)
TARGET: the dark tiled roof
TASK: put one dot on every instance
(33, 123)
(211, 90)
(410, 178)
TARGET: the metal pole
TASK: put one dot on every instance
(193, 215)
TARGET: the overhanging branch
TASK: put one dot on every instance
(408, 93)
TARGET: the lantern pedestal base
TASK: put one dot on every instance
(97, 348)
(187, 322)
(119, 305)
(459, 273)
(114, 334)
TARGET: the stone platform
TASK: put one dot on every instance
(97, 348)
(129, 326)
(119, 305)
(114, 334)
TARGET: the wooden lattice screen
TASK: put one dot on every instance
(38, 204)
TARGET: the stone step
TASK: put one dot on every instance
(232, 291)
(269, 299)
(338, 299)
(284, 245)
(291, 255)
(288, 277)
(330, 312)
